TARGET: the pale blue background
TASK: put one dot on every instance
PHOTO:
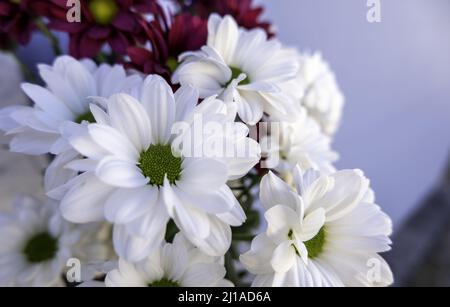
(396, 78)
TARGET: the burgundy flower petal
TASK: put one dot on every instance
(89, 47)
(125, 22)
(118, 42)
(64, 26)
(5, 9)
(98, 32)
(139, 55)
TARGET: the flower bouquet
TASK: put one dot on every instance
(186, 147)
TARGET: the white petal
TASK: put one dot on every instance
(85, 201)
(281, 219)
(80, 79)
(62, 89)
(189, 219)
(275, 191)
(203, 275)
(202, 175)
(114, 142)
(125, 275)
(215, 201)
(120, 173)
(153, 221)
(236, 216)
(223, 36)
(159, 102)
(100, 115)
(56, 175)
(349, 189)
(33, 143)
(257, 260)
(218, 242)
(48, 102)
(126, 205)
(174, 260)
(133, 248)
(283, 257)
(186, 99)
(250, 110)
(206, 76)
(129, 117)
(312, 224)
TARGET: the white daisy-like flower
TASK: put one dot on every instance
(69, 85)
(327, 232)
(322, 96)
(179, 264)
(36, 242)
(300, 142)
(244, 68)
(138, 174)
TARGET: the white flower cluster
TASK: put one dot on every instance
(135, 157)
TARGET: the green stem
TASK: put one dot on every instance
(50, 36)
(243, 237)
(255, 181)
(27, 73)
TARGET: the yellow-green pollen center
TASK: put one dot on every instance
(172, 64)
(103, 11)
(313, 246)
(40, 248)
(88, 117)
(235, 73)
(157, 162)
(164, 283)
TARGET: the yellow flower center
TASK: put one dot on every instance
(103, 11)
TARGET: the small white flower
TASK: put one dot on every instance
(321, 94)
(300, 142)
(244, 68)
(69, 85)
(326, 233)
(138, 175)
(172, 265)
(36, 242)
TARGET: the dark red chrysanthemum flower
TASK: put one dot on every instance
(17, 20)
(117, 23)
(185, 33)
(245, 13)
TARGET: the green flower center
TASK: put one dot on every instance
(89, 117)
(164, 283)
(235, 73)
(158, 162)
(40, 248)
(314, 246)
(103, 11)
(172, 63)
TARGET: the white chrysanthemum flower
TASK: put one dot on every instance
(243, 67)
(69, 85)
(300, 142)
(36, 242)
(138, 175)
(322, 96)
(172, 265)
(326, 233)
